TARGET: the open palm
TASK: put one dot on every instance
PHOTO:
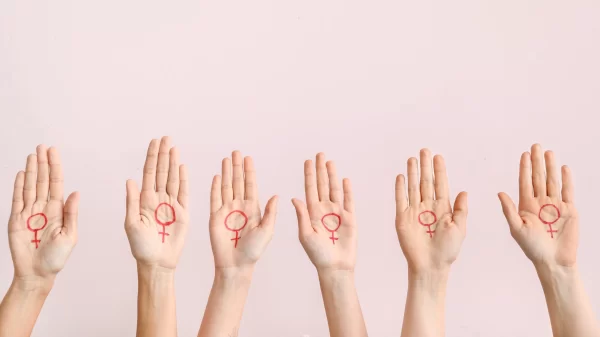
(327, 226)
(430, 233)
(239, 234)
(546, 223)
(157, 219)
(42, 230)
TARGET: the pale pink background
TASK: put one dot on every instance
(368, 82)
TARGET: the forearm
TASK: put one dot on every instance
(425, 304)
(570, 311)
(226, 302)
(156, 302)
(22, 304)
(342, 307)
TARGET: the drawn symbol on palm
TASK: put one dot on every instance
(235, 221)
(427, 219)
(36, 230)
(332, 223)
(165, 220)
(549, 215)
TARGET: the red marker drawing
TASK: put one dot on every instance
(332, 231)
(164, 224)
(428, 225)
(550, 223)
(236, 230)
(35, 230)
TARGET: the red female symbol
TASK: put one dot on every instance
(428, 225)
(236, 230)
(332, 231)
(166, 223)
(35, 230)
(550, 223)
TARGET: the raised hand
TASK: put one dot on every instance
(42, 230)
(429, 231)
(239, 234)
(546, 225)
(327, 227)
(157, 219)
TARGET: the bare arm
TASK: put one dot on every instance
(327, 229)
(546, 227)
(239, 235)
(156, 302)
(42, 232)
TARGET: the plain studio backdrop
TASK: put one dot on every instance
(367, 82)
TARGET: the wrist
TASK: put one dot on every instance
(433, 281)
(556, 274)
(235, 274)
(33, 284)
(155, 273)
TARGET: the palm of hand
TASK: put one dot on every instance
(425, 250)
(554, 238)
(148, 244)
(332, 244)
(157, 219)
(53, 248)
(42, 229)
(237, 241)
(239, 234)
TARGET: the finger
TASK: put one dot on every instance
(173, 179)
(461, 210)
(525, 182)
(162, 168)
(322, 178)
(568, 190)
(184, 194)
(132, 214)
(17, 200)
(552, 172)
(539, 176)
(348, 197)
(426, 176)
(216, 200)
(510, 211)
(226, 188)
(43, 175)
(238, 175)
(414, 195)
(401, 201)
(442, 190)
(70, 213)
(251, 189)
(310, 187)
(335, 193)
(304, 226)
(30, 181)
(149, 181)
(268, 220)
(56, 175)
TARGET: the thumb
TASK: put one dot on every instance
(304, 226)
(70, 213)
(461, 210)
(268, 220)
(510, 211)
(132, 215)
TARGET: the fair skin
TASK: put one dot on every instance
(37, 262)
(234, 205)
(553, 254)
(429, 255)
(333, 252)
(165, 185)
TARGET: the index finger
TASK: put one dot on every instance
(56, 175)
(150, 166)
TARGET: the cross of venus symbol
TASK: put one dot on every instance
(550, 223)
(333, 223)
(165, 223)
(428, 224)
(230, 224)
(36, 230)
